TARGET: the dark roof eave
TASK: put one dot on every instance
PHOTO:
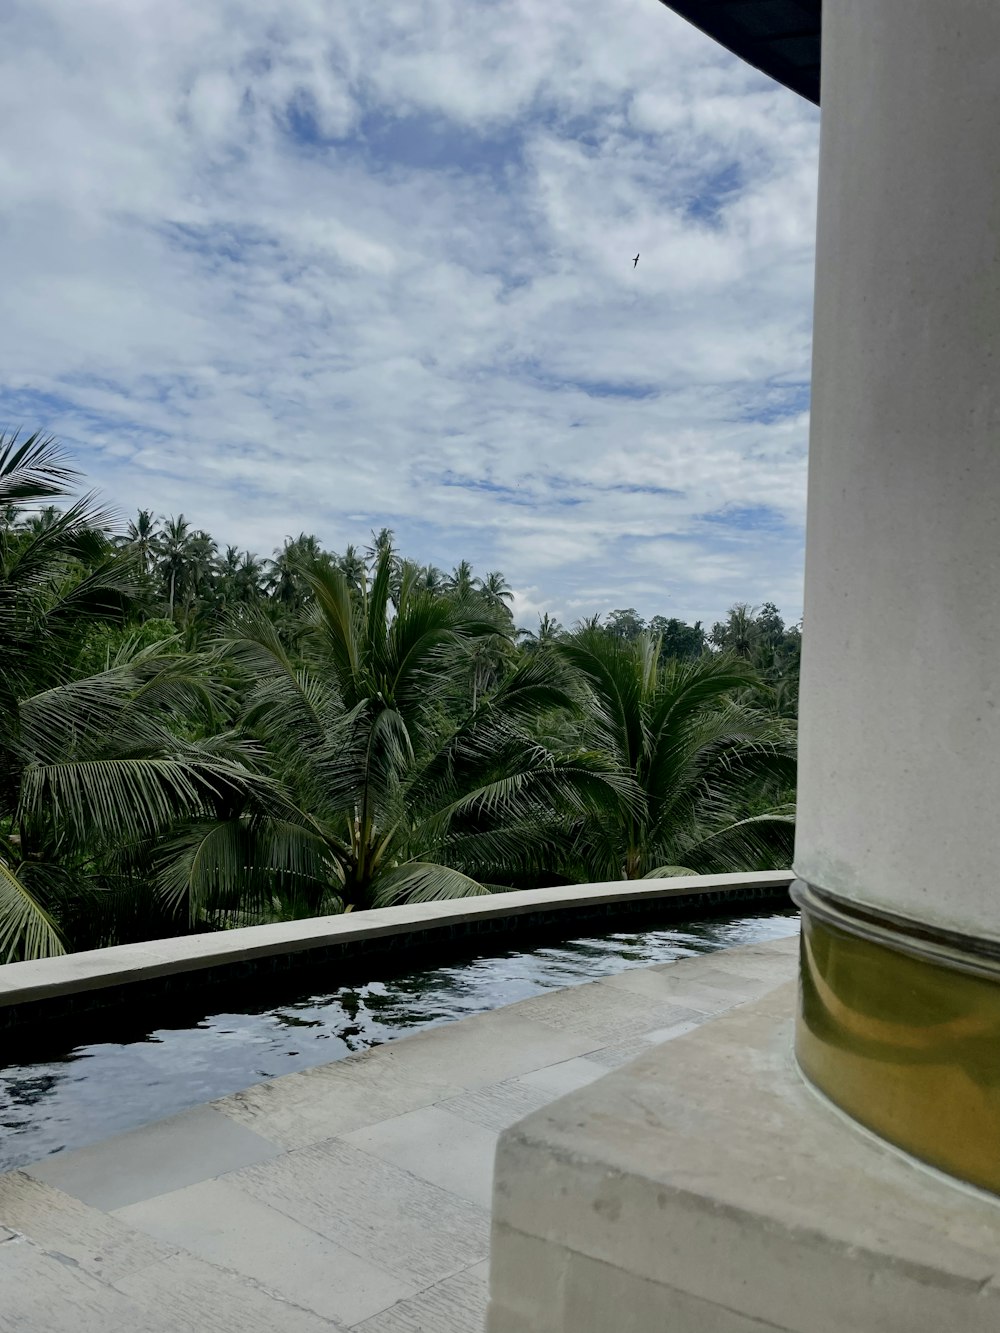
(781, 38)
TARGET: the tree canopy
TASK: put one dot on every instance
(195, 737)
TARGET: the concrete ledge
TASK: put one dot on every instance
(97, 969)
(706, 1187)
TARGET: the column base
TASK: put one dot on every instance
(705, 1188)
(899, 1024)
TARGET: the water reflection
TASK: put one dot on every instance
(153, 1065)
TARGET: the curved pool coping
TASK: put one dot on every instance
(94, 970)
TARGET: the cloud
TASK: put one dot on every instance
(330, 266)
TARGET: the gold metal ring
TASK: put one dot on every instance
(899, 1025)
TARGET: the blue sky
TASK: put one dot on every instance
(328, 266)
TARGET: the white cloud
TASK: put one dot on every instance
(330, 265)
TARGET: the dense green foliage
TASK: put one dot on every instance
(192, 739)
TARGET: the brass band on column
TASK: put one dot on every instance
(899, 1025)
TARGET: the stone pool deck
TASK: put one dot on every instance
(352, 1196)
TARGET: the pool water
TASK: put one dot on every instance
(153, 1065)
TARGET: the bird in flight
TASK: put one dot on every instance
(635, 261)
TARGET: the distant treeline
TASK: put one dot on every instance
(194, 738)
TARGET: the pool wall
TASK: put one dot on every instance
(54, 989)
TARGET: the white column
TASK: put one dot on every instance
(899, 777)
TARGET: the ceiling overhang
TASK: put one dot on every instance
(779, 37)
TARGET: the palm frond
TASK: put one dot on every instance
(62, 720)
(423, 882)
(759, 842)
(130, 796)
(239, 865)
(336, 621)
(33, 469)
(27, 930)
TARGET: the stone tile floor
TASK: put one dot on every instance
(352, 1196)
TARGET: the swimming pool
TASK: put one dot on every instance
(152, 1064)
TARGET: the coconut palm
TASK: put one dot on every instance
(432, 579)
(383, 542)
(238, 577)
(173, 546)
(396, 800)
(229, 563)
(55, 578)
(141, 539)
(202, 569)
(42, 520)
(700, 759)
(249, 577)
(425, 578)
(549, 631)
(496, 591)
(739, 633)
(353, 567)
(285, 581)
(586, 623)
(92, 766)
(461, 582)
(98, 782)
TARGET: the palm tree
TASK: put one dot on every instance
(43, 519)
(102, 793)
(202, 569)
(248, 578)
(712, 774)
(285, 579)
(141, 539)
(353, 568)
(173, 548)
(549, 631)
(588, 623)
(229, 563)
(56, 577)
(383, 542)
(90, 768)
(395, 800)
(490, 657)
(239, 576)
(425, 578)
(496, 591)
(461, 581)
(739, 633)
(432, 579)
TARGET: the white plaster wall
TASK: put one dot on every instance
(900, 740)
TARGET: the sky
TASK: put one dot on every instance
(331, 265)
